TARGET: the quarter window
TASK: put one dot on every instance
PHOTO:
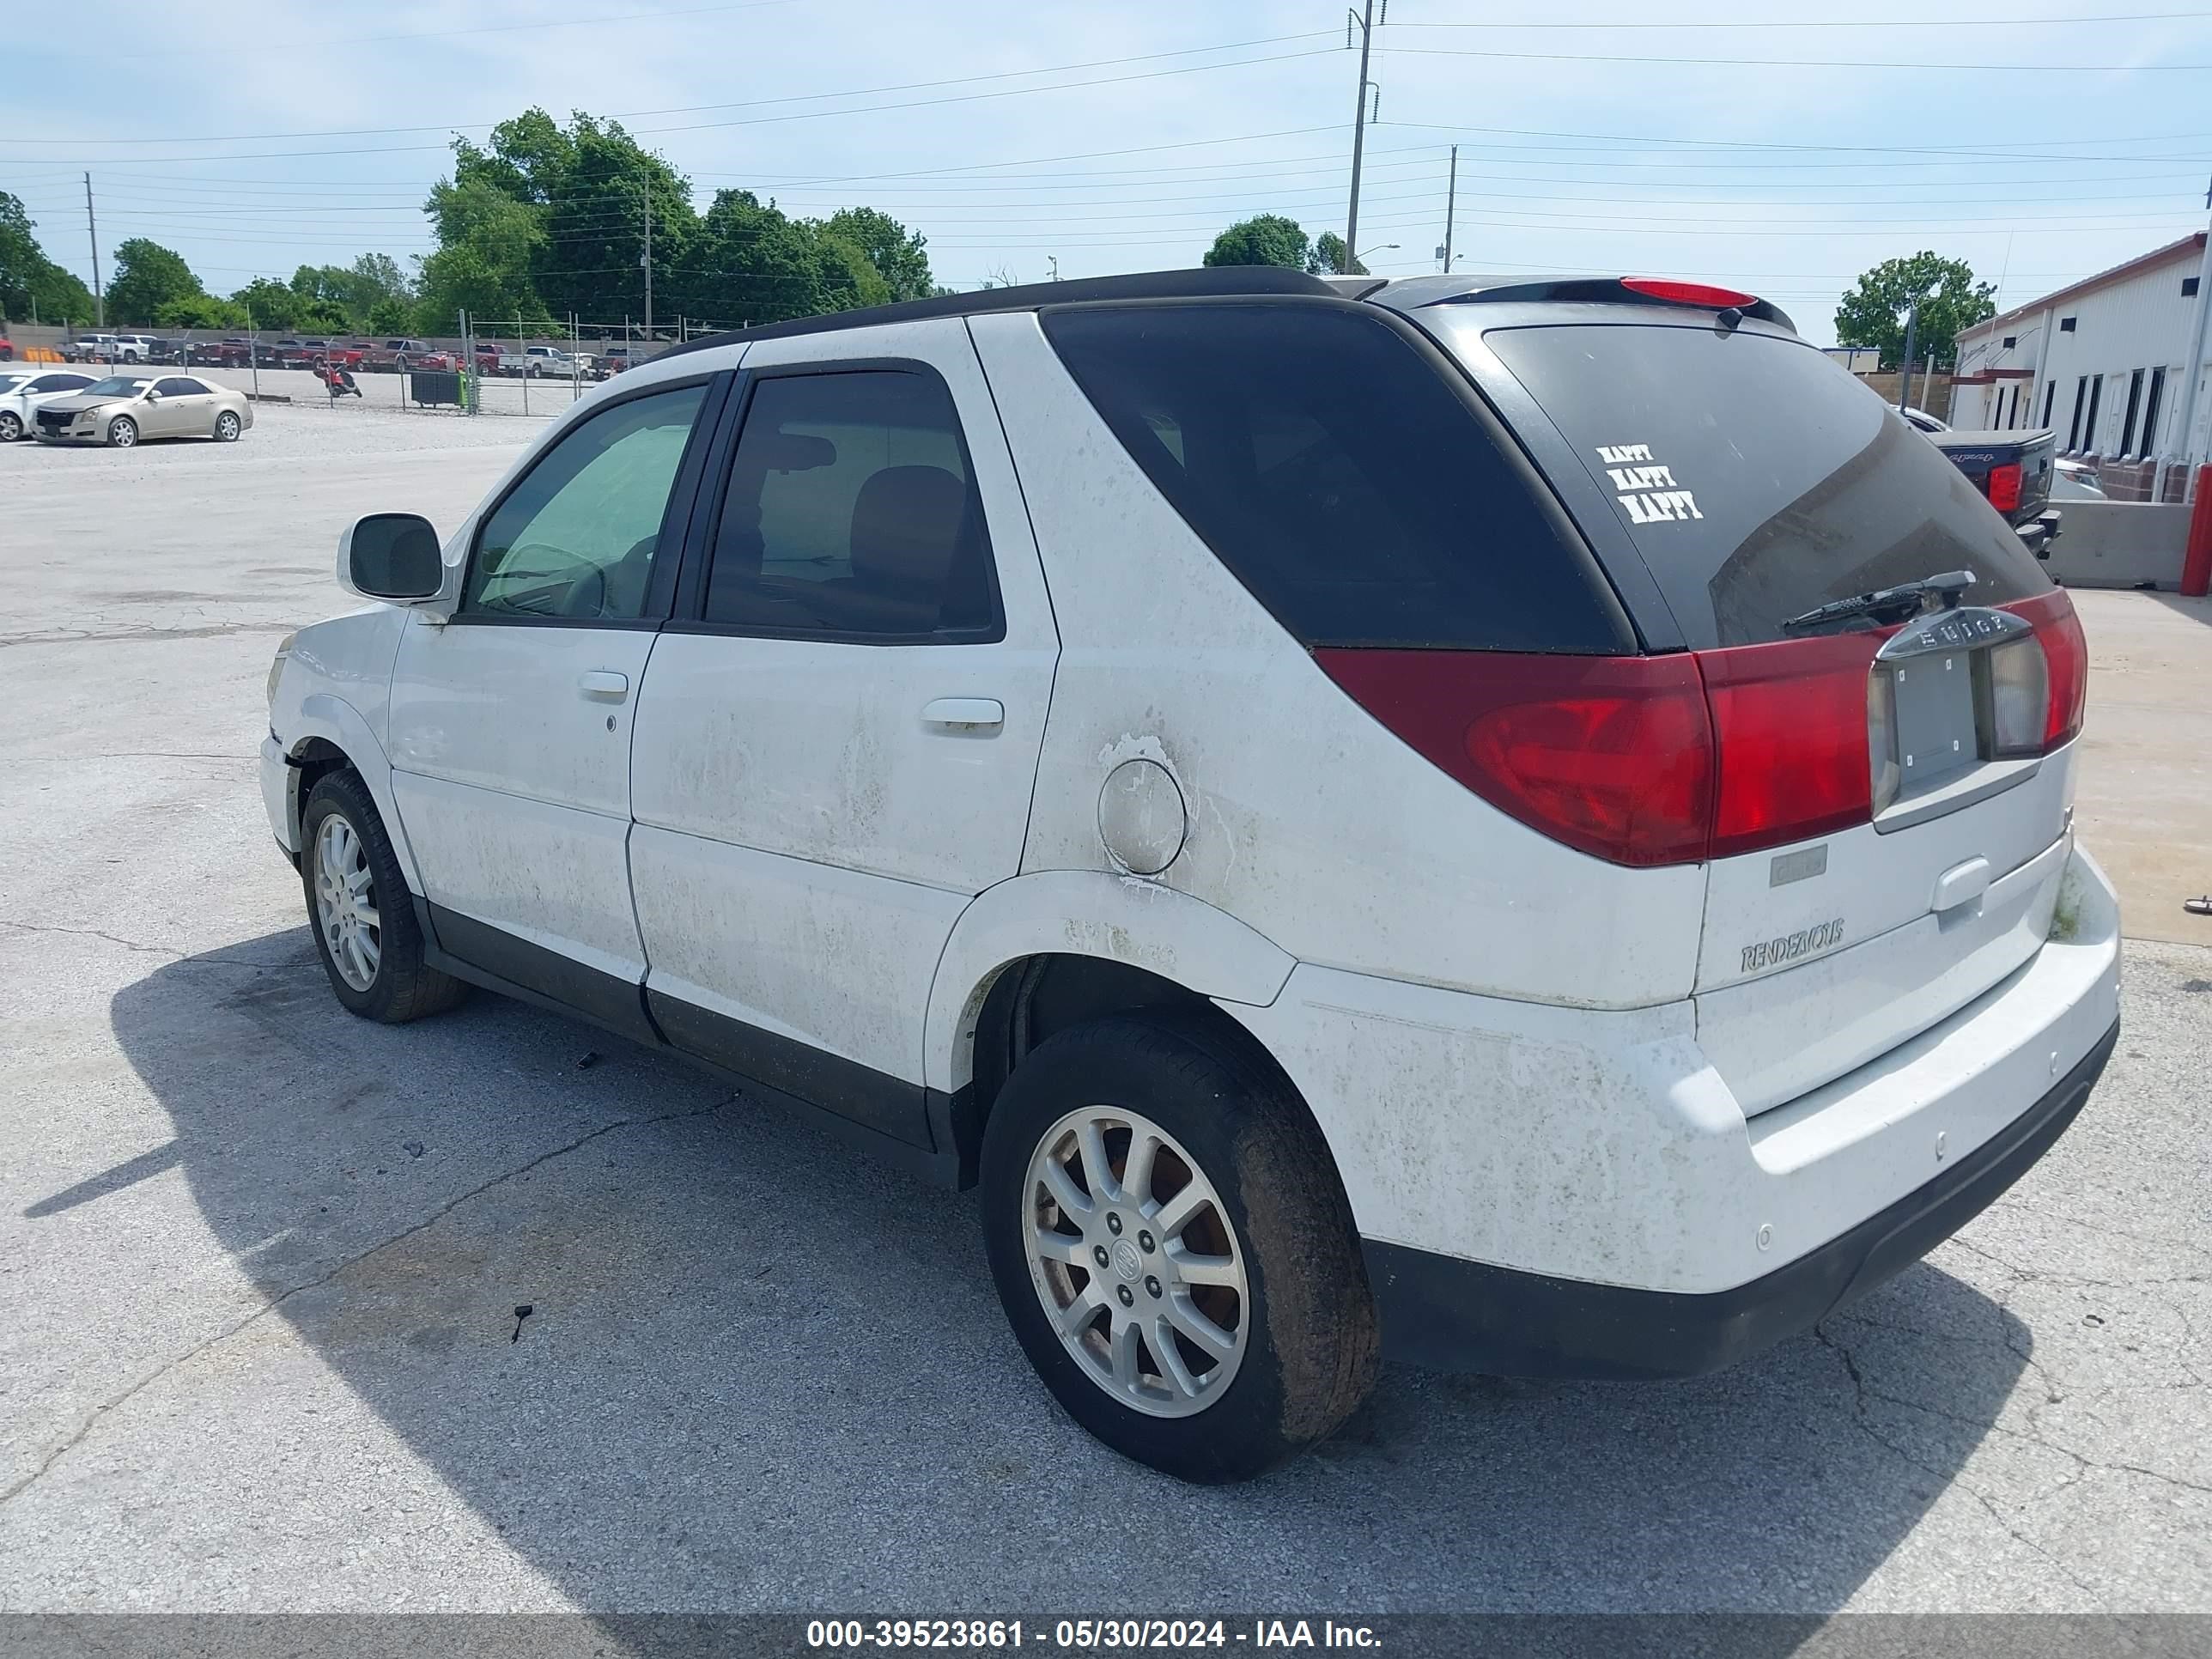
(576, 538)
(851, 511)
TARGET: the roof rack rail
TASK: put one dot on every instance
(1208, 282)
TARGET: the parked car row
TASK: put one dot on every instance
(67, 406)
(387, 356)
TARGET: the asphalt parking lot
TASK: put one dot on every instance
(261, 1260)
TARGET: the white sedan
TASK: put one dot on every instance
(25, 386)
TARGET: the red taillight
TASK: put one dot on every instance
(2004, 487)
(2066, 654)
(1611, 755)
(1673, 759)
(1789, 723)
(1687, 293)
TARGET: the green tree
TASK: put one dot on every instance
(31, 284)
(898, 254)
(1872, 312)
(147, 277)
(750, 262)
(391, 315)
(1269, 239)
(202, 311)
(1327, 258)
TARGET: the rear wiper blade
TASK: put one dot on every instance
(1890, 603)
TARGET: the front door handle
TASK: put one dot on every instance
(604, 682)
(971, 713)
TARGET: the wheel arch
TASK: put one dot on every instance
(330, 735)
(1039, 952)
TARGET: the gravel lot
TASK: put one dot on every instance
(261, 1260)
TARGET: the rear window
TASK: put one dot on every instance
(1757, 479)
(1339, 476)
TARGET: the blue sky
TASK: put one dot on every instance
(1122, 137)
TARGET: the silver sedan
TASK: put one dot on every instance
(122, 409)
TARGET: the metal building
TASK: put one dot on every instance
(2099, 361)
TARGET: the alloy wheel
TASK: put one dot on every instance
(1133, 1255)
(345, 902)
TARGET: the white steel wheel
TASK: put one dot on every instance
(345, 903)
(1133, 1255)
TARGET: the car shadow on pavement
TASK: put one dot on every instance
(760, 1371)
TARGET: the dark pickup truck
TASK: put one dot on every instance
(2014, 469)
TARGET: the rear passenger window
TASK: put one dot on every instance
(1329, 465)
(851, 513)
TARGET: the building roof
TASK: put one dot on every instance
(2191, 244)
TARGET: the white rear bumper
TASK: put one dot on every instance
(1602, 1147)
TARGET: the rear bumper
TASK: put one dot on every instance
(1452, 1314)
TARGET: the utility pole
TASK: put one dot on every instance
(92, 229)
(2193, 365)
(647, 260)
(1053, 259)
(1366, 23)
(1451, 205)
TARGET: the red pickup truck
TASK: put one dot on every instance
(341, 354)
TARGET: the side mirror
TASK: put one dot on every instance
(393, 556)
(153, 397)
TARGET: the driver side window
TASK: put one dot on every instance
(575, 539)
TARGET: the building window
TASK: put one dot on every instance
(2011, 340)
(2134, 406)
(2089, 422)
(2081, 398)
(2189, 287)
(2049, 397)
(2151, 411)
(2066, 324)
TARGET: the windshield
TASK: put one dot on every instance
(1757, 479)
(117, 386)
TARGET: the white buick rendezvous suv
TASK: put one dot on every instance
(1519, 824)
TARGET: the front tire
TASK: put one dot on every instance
(1172, 1247)
(359, 910)
(123, 433)
(11, 426)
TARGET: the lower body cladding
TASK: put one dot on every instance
(1554, 1192)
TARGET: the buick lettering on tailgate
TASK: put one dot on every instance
(1789, 947)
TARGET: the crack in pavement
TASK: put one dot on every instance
(93, 1418)
(169, 951)
(1860, 1418)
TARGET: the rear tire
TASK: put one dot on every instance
(1237, 1215)
(360, 911)
(226, 428)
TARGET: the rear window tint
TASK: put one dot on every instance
(1757, 479)
(1339, 477)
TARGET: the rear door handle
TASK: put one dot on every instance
(973, 711)
(603, 683)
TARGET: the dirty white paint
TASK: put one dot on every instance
(838, 960)
(335, 685)
(1308, 820)
(1096, 914)
(1602, 1145)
